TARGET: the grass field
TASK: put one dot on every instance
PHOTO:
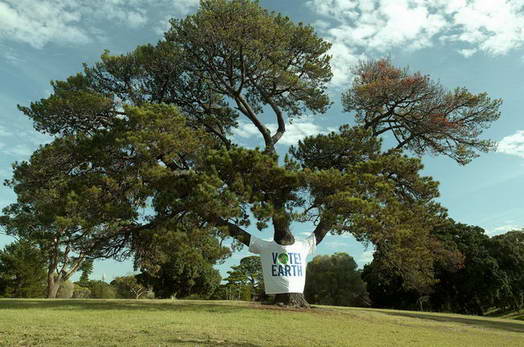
(226, 323)
(514, 315)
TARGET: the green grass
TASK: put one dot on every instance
(201, 323)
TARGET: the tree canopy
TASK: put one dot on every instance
(420, 113)
(143, 145)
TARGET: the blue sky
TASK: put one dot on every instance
(477, 44)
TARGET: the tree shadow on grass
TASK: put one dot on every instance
(125, 305)
(508, 326)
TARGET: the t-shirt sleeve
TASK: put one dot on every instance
(257, 245)
(311, 243)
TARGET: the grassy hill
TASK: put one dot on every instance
(201, 323)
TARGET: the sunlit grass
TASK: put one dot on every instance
(191, 323)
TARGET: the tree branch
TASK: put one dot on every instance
(321, 230)
(246, 109)
(234, 230)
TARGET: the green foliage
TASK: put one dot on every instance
(22, 270)
(484, 273)
(508, 249)
(142, 163)
(81, 292)
(101, 290)
(335, 280)
(272, 60)
(66, 290)
(378, 197)
(179, 262)
(245, 280)
(87, 269)
(128, 287)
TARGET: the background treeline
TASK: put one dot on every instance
(480, 274)
(489, 276)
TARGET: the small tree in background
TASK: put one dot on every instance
(87, 269)
(335, 280)
(66, 290)
(246, 278)
(81, 292)
(22, 270)
(484, 274)
(180, 260)
(101, 290)
(508, 249)
(128, 287)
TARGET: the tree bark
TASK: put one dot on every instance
(284, 237)
(52, 286)
(291, 300)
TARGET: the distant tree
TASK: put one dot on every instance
(472, 288)
(66, 290)
(128, 287)
(335, 280)
(386, 289)
(87, 269)
(22, 270)
(81, 292)
(101, 290)
(508, 249)
(247, 274)
(478, 274)
(180, 263)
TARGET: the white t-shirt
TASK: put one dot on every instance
(284, 267)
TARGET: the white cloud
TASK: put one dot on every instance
(20, 143)
(365, 258)
(77, 21)
(298, 131)
(304, 234)
(376, 26)
(513, 144)
(468, 52)
(245, 130)
(295, 131)
(503, 229)
(336, 244)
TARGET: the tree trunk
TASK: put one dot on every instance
(52, 286)
(284, 237)
(291, 300)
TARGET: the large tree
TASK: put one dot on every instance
(65, 209)
(234, 59)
